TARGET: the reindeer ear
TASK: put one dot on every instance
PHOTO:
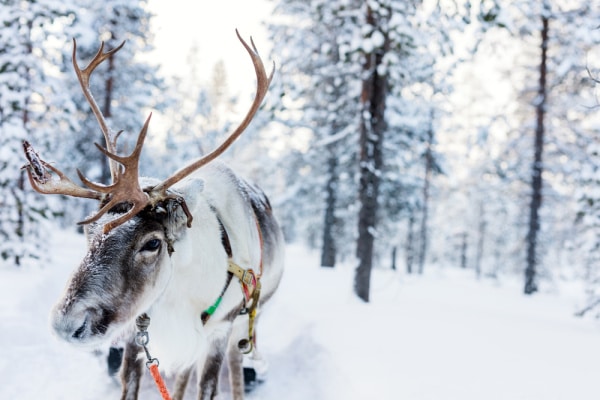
(192, 188)
(182, 197)
(176, 212)
(173, 214)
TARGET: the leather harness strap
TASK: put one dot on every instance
(249, 280)
(247, 277)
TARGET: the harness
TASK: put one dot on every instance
(250, 286)
(249, 283)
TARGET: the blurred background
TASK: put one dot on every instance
(401, 137)
(461, 133)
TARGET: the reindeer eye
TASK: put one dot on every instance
(151, 245)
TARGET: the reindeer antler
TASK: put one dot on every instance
(125, 187)
(83, 75)
(262, 86)
(42, 181)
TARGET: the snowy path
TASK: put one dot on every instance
(442, 336)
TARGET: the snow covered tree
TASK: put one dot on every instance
(372, 127)
(537, 166)
(319, 86)
(124, 87)
(495, 122)
(397, 127)
(32, 107)
(36, 70)
(587, 192)
(589, 220)
(565, 31)
(327, 48)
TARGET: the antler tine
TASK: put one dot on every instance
(136, 207)
(41, 180)
(126, 188)
(262, 85)
(84, 81)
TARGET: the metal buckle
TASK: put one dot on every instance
(248, 278)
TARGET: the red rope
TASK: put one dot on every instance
(160, 384)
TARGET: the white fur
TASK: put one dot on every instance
(199, 263)
(182, 285)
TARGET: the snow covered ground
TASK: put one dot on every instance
(441, 336)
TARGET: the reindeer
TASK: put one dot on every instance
(149, 267)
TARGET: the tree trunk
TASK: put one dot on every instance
(20, 223)
(410, 243)
(480, 240)
(328, 251)
(428, 168)
(372, 127)
(19, 192)
(537, 169)
(107, 112)
(463, 250)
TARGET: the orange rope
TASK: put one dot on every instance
(160, 384)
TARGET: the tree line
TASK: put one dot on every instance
(449, 133)
(411, 134)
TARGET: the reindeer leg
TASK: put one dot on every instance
(209, 380)
(181, 384)
(236, 374)
(131, 371)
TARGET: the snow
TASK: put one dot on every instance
(443, 335)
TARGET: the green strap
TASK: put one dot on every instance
(211, 310)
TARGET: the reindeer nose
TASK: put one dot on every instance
(81, 326)
(80, 332)
(69, 326)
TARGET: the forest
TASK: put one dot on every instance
(407, 135)
(434, 166)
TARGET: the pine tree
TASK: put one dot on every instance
(324, 52)
(537, 166)
(491, 199)
(589, 221)
(397, 127)
(372, 128)
(32, 106)
(319, 87)
(559, 115)
(124, 86)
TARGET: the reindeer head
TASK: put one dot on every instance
(131, 237)
(122, 274)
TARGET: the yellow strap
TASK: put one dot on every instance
(251, 287)
(236, 269)
(247, 277)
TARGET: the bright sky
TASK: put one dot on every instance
(210, 25)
